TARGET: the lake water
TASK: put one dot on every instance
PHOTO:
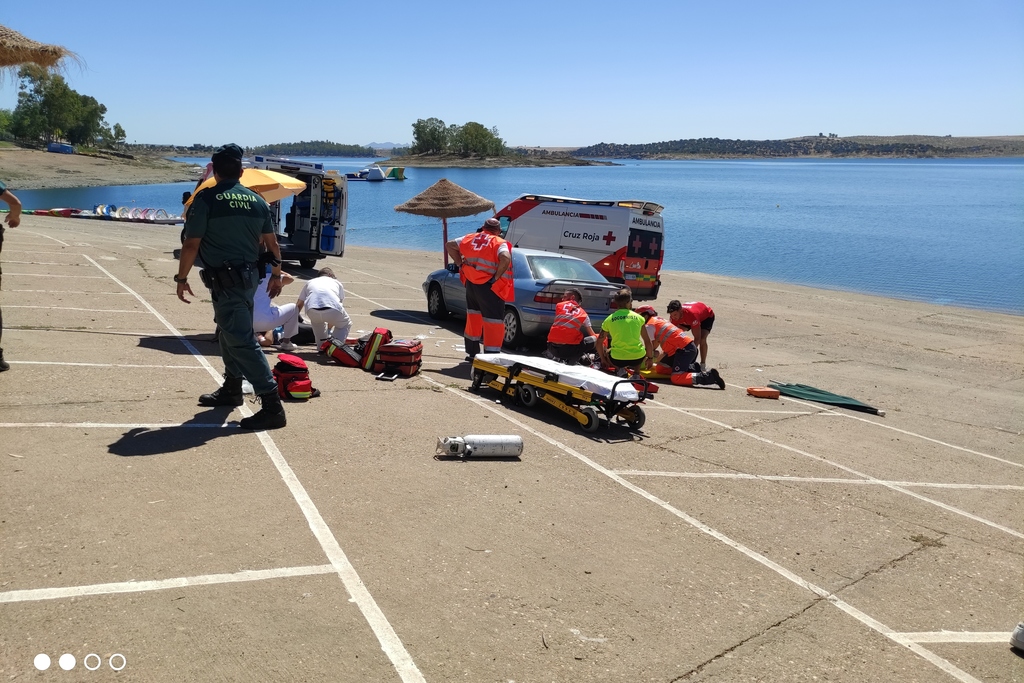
(946, 231)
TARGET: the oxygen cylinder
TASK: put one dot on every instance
(493, 445)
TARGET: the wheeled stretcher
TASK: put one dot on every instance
(583, 393)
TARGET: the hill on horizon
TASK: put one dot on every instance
(832, 145)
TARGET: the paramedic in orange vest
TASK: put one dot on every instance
(571, 335)
(679, 349)
(485, 266)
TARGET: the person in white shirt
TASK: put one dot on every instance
(322, 298)
(267, 316)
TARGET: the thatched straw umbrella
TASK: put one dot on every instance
(16, 49)
(444, 199)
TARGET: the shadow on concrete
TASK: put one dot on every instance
(171, 344)
(403, 315)
(478, 458)
(199, 431)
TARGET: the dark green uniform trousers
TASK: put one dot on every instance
(243, 357)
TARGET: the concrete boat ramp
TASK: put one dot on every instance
(733, 539)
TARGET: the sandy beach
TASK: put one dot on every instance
(28, 169)
(731, 538)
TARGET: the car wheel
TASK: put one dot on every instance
(435, 303)
(513, 328)
(307, 263)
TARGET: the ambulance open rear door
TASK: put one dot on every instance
(333, 214)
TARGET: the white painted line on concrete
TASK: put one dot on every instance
(741, 410)
(39, 234)
(106, 365)
(77, 277)
(424, 318)
(32, 251)
(813, 480)
(119, 425)
(956, 637)
(719, 536)
(397, 284)
(64, 291)
(382, 628)
(44, 263)
(36, 594)
(900, 489)
(119, 333)
(904, 431)
(70, 308)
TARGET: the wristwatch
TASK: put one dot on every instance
(180, 279)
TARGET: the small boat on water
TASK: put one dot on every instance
(109, 212)
(376, 173)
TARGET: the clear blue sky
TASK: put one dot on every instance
(555, 73)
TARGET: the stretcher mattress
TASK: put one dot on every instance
(594, 381)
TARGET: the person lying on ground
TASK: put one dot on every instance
(677, 347)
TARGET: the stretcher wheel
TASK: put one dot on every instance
(478, 378)
(528, 395)
(593, 419)
(638, 419)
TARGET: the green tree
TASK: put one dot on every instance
(48, 109)
(89, 124)
(6, 117)
(430, 136)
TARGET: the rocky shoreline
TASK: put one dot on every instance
(29, 169)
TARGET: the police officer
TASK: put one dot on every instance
(225, 226)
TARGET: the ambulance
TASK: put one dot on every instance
(623, 239)
(314, 224)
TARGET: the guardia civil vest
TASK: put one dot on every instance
(666, 335)
(480, 262)
(568, 325)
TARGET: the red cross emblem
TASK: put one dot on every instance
(480, 241)
(609, 238)
(637, 243)
(654, 245)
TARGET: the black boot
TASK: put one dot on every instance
(716, 378)
(230, 394)
(3, 363)
(271, 415)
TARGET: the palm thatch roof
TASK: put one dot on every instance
(445, 199)
(16, 49)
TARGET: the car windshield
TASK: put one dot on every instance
(544, 267)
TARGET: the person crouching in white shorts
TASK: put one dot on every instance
(267, 316)
(322, 298)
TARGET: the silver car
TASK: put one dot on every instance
(541, 278)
